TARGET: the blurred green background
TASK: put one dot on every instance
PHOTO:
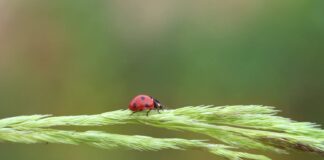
(68, 57)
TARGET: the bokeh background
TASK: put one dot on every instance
(68, 57)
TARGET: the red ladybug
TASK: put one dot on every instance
(144, 102)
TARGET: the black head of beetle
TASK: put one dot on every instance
(157, 104)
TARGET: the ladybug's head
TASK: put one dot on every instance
(157, 104)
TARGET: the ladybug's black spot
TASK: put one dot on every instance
(143, 98)
(134, 105)
(147, 105)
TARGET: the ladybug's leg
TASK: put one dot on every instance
(147, 113)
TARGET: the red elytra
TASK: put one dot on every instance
(144, 102)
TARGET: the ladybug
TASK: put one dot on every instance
(144, 102)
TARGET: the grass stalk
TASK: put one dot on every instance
(243, 127)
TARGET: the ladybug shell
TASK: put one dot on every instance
(141, 102)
